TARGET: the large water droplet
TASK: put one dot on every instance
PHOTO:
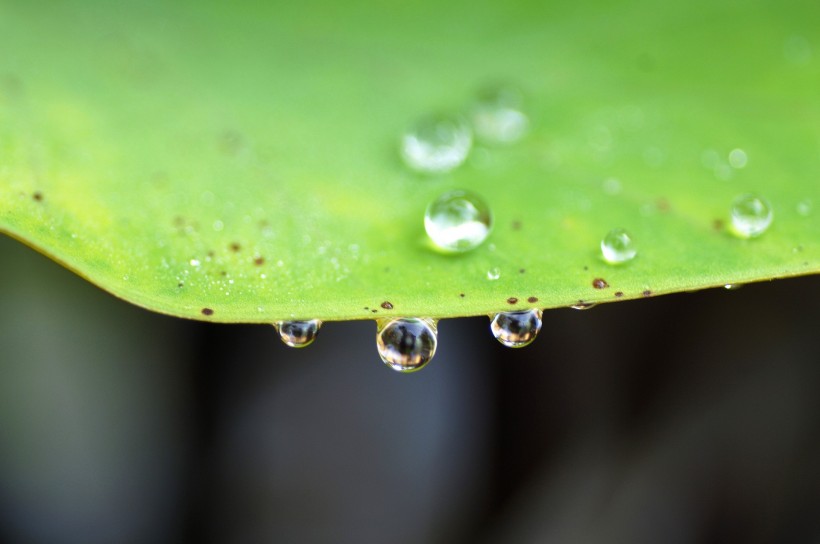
(738, 158)
(751, 215)
(436, 144)
(298, 334)
(407, 344)
(498, 115)
(617, 247)
(516, 329)
(458, 221)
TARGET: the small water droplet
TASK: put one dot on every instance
(436, 144)
(581, 305)
(458, 221)
(617, 247)
(751, 215)
(516, 329)
(733, 286)
(298, 334)
(738, 158)
(493, 273)
(218, 225)
(194, 262)
(407, 344)
(498, 115)
(612, 186)
(804, 207)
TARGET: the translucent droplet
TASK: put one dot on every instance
(804, 207)
(493, 273)
(617, 247)
(583, 305)
(733, 286)
(751, 216)
(298, 334)
(612, 186)
(436, 144)
(498, 115)
(516, 329)
(738, 158)
(194, 262)
(407, 344)
(458, 221)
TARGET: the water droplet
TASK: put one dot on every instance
(194, 262)
(458, 221)
(617, 247)
(516, 329)
(738, 158)
(733, 286)
(804, 207)
(493, 273)
(498, 116)
(581, 305)
(436, 144)
(407, 344)
(612, 186)
(751, 216)
(218, 225)
(298, 334)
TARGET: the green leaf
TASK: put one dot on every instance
(243, 158)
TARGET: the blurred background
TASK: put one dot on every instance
(687, 418)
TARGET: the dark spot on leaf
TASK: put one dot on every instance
(717, 224)
(586, 268)
(662, 204)
(207, 311)
(462, 295)
(230, 142)
(387, 305)
(210, 253)
(600, 283)
(532, 300)
(259, 261)
(516, 225)
(223, 273)
(647, 293)
(367, 307)
(179, 221)
(235, 247)
(512, 300)
(521, 270)
(374, 310)
(38, 196)
(180, 284)
(619, 294)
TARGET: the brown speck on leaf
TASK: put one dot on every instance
(516, 225)
(586, 268)
(619, 294)
(223, 273)
(599, 283)
(180, 284)
(38, 196)
(259, 261)
(647, 293)
(374, 310)
(532, 300)
(179, 221)
(462, 295)
(662, 204)
(521, 270)
(512, 300)
(207, 311)
(367, 307)
(387, 305)
(717, 224)
(235, 247)
(211, 253)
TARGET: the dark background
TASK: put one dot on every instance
(685, 418)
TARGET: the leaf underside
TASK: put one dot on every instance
(242, 158)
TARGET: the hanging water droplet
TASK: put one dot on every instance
(493, 273)
(617, 247)
(751, 216)
(436, 144)
(516, 329)
(498, 115)
(298, 334)
(581, 305)
(733, 286)
(406, 344)
(458, 221)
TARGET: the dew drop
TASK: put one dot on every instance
(458, 221)
(617, 247)
(436, 144)
(738, 158)
(493, 273)
(194, 262)
(498, 115)
(516, 329)
(407, 344)
(751, 216)
(733, 286)
(804, 207)
(298, 334)
(581, 305)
